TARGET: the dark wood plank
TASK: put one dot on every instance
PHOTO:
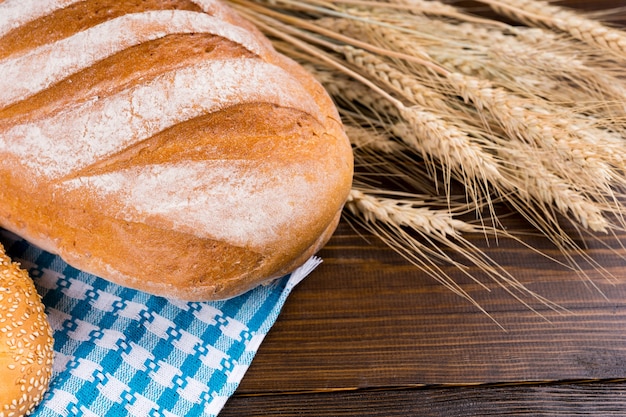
(590, 399)
(367, 318)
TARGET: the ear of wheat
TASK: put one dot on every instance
(530, 115)
(542, 13)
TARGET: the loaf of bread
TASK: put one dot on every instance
(26, 342)
(164, 145)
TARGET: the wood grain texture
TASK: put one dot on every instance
(368, 319)
(368, 334)
(567, 400)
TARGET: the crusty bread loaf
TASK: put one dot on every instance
(26, 344)
(164, 145)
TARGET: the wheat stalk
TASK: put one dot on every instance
(523, 52)
(363, 138)
(389, 216)
(528, 180)
(431, 96)
(435, 137)
(532, 121)
(403, 84)
(498, 57)
(518, 118)
(407, 213)
(590, 31)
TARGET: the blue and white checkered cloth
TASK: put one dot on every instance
(123, 352)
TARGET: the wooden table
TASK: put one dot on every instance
(368, 334)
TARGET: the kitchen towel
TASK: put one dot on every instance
(121, 352)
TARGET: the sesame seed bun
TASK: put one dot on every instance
(25, 341)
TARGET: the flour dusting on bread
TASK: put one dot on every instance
(242, 205)
(80, 136)
(29, 73)
(16, 12)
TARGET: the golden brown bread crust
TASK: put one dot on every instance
(26, 342)
(189, 160)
